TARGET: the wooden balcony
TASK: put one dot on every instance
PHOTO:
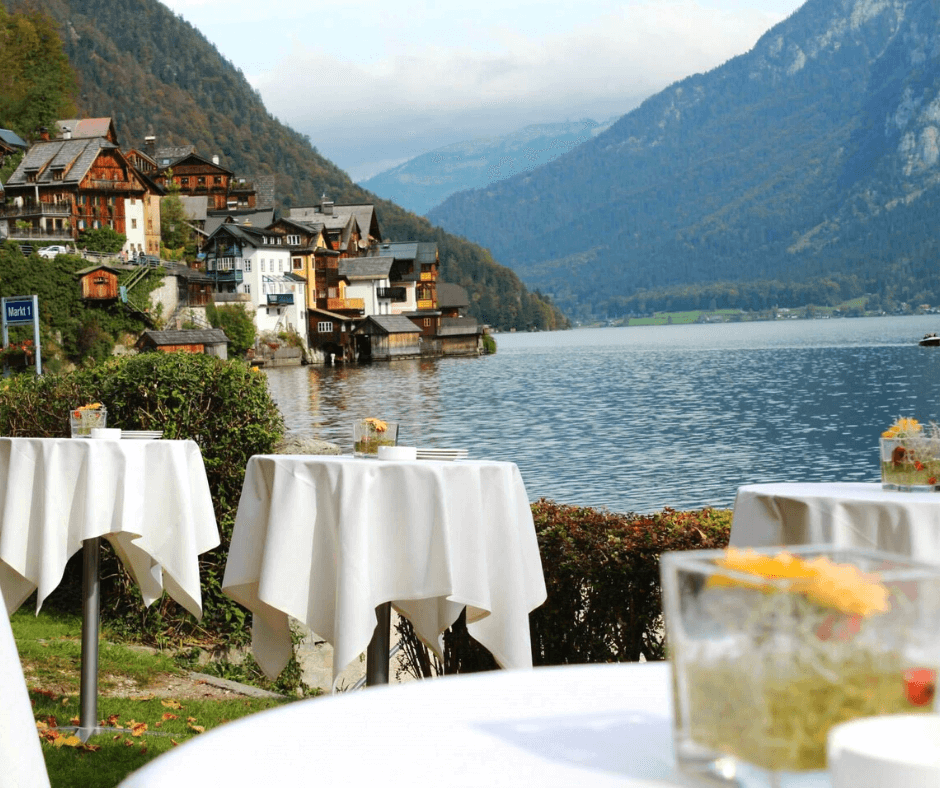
(345, 304)
(37, 209)
(429, 276)
(425, 303)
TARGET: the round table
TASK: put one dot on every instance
(598, 725)
(845, 514)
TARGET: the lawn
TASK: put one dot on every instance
(149, 723)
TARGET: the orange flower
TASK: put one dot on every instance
(842, 587)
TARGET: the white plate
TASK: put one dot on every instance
(442, 454)
(142, 434)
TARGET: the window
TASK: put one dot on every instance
(321, 294)
(81, 224)
(280, 266)
(202, 181)
(133, 224)
(332, 293)
(324, 327)
(293, 240)
(427, 322)
(247, 267)
(247, 288)
(218, 180)
(298, 263)
(262, 265)
(184, 181)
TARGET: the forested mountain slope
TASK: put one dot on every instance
(153, 73)
(811, 159)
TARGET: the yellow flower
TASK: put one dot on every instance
(902, 428)
(840, 586)
(377, 425)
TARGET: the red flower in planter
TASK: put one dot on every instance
(920, 685)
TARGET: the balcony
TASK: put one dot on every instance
(110, 186)
(392, 293)
(280, 299)
(37, 209)
(425, 303)
(428, 276)
(34, 234)
(344, 304)
(226, 276)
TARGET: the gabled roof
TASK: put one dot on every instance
(394, 324)
(84, 128)
(250, 236)
(419, 251)
(203, 336)
(99, 267)
(168, 155)
(365, 267)
(191, 158)
(72, 158)
(451, 296)
(13, 139)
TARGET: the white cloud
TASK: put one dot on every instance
(368, 85)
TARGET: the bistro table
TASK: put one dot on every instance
(587, 725)
(20, 751)
(149, 498)
(332, 540)
(850, 514)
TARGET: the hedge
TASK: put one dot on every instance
(224, 406)
(602, 578)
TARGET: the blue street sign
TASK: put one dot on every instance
(18, 311)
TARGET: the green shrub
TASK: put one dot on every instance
(489, 344)
(102, 239)
(222, 405)
(602, 578)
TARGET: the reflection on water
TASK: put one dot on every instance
(642, 418)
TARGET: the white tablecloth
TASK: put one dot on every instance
(598, 726)
(328, 539)
(21, 758)
(846, 514)
(150, 498)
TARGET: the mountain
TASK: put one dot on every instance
(153, 73)
(806, 169)
(426, 180)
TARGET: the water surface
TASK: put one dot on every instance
(637, 419)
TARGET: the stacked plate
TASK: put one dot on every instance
(142, 435)
(442, 454)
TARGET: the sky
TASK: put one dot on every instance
(374, 84)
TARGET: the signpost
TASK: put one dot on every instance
(17, 310)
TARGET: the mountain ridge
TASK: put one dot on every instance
(813, 154)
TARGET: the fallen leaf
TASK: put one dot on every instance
(174, 742)
(170, 716)
(112, 721)
(197, 728)
(90, 747)
(75, 721)
(171, 704)
(128, 743)
(137, 728)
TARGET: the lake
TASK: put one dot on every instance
(638, 419)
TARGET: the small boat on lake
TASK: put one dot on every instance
(930, 340)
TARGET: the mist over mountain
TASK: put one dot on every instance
(814, 159)
(425, 181)
(153, 73)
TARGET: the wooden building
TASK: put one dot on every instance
(211, 341)
(384, 337)
(99, 283)
(66, 185)
(458, 335)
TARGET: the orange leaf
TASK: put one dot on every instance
(90, 747)
(171, 704)
(75, 721)
(197, 728)
(169, 716)
(174, 742)
(137, 728)
(112, 721)
(128, 743)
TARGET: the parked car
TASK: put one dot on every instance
(51, 251)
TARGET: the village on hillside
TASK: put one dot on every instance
(323, 273)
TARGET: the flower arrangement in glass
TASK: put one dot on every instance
(770, 650)
(85, 418)
(369, 434)
(910, 456)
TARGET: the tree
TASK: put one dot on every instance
(175, 232)
(237, 324)
(102, 239)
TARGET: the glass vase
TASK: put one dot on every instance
(761, 671)
(84, 420)
(369, 434)
(910, 464)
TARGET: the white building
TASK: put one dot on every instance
(248, 260)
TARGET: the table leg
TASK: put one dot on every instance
(88, 718)
(377, 653)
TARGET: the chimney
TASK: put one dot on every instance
(66, 133)
(44, 134)
(150, 146)
(215, 159)
(326, 206)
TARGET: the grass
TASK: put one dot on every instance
(50, 648)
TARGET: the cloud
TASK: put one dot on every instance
(368, 86)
